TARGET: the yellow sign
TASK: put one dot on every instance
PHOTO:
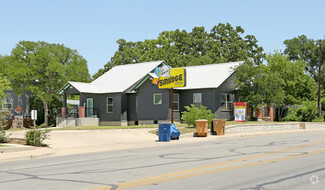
(170, 78)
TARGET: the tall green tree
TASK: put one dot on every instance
(306, 49)
(4, 82)
(181, 48)
(280, 82)
(43, 68)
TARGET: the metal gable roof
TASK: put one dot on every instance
(122, 77)
(117, 80)
(208, 76)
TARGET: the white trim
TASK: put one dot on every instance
(110, 105)
(227, 101)
(7, 103)
(200, 98)
(154, 98)
(176, 94)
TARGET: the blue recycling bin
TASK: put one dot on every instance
(174, 133)
(167, 131)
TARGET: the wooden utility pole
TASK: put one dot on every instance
(319, 78)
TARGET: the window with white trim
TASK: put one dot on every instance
(197, 99)
(157, 98)
(110, 105)
(6, 105)
(227, 102)
(176, 102)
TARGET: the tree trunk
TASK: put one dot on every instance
(46, 113)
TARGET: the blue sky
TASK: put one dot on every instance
(92, 27)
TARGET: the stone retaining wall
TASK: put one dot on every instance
(246, 128)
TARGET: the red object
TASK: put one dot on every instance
(240, 104)
(271, 112)
(82, 111)
(18, 109)
(64, 111)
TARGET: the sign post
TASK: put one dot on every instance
(170, 78)
(34, 117)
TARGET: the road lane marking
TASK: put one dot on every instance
(126, 185)
(200, 170)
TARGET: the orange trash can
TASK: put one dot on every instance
(218, 126)
(201, 128)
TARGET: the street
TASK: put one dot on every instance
(278, 161)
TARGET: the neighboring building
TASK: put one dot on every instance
(12, 100)
(125, 95)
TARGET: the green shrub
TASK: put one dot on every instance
(3, 116)
(319, 119)
(193, 113)
(40, 136)
(3, 136)
(306, 112)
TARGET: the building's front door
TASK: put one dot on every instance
(90, 107)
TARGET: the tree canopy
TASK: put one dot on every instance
(43, 68)
(4, 82)
(181, 48)
(280, 82)
(303, 48)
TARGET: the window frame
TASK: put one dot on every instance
(154, 98)
(7, 103)
(226, 101)
(200, 93)
(175, 94)
(112, 104)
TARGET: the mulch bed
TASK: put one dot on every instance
(16, 141)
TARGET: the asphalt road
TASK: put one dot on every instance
(281, 161)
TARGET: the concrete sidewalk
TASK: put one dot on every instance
(87, 141)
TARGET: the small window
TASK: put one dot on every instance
(157, 99)
(176, 102)
(227, 102)
(197, 99)
(6, 106)
(110, 105)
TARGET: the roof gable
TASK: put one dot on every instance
(122, 77)
(208, 76)
(119, 79)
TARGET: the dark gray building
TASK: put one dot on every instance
(125, 95)
(12, 100)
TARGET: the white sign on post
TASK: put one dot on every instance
(34, 114)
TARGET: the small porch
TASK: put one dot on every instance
(76, 112)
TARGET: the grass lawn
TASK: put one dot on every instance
(183, 128)
(104, 127)
(2, 145)
(15, 129)
(111, 127)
